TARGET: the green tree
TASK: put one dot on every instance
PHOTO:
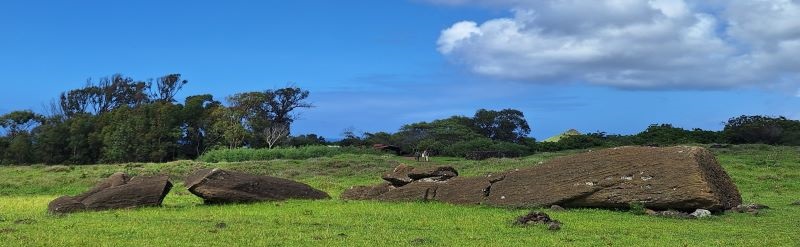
(18, 122)
(197, 125)
(17, 125)
(227, 127)
(351, 138)
(507, 125)
(436, 135)
(306, 140)
(20, 150)
(268, 115)
(85, 139)
(120, 135)
(664, 134)
(166, 87)
(754, 129)
(148, 133)
(380, 138)
(50, 144)
(164, 130)
(4, 142)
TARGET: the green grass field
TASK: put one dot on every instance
(767, 175)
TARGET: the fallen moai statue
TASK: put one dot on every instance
(403, 174)
(218, 186)
(116, 192)
(680, 178)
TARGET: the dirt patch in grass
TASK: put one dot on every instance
(24, 221)
(420, 241)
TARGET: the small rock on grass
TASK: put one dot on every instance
(701, 213)
(796, 203)
(554, 225)
(537, 217)
(752, 208)
(675, 214)
(557, 208)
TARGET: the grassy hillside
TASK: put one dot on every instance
(768, 175)
(556, 138)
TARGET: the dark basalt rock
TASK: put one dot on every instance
(116, 192)
(441, 173)
(365, 192)
(679, 178)
(403, 174)
(217, 186)
(399, 176)
(536, 218)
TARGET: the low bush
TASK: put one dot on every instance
(246, 154)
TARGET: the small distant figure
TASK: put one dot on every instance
(425, 155)
(417, 155)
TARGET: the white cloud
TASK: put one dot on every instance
(456, 34)
(633, 43)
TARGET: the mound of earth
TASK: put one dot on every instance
(680, 178)
(116, 192)
(217, 186)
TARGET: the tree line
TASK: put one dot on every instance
(487, 130)
(507, 132)
(119, 119)
(738, 130)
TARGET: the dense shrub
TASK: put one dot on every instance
(482, 155)
(246, 154)
(762, 129)
(461, 149)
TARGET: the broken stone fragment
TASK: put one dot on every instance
(441, 173)
(403, 174)
(399, 176)
(116, 192)
(217, 186)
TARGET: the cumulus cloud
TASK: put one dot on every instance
(645, 44)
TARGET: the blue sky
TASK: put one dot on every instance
(375, 65)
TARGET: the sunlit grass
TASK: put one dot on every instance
(184, 221)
